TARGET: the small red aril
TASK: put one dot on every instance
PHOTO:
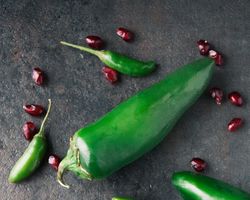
(235, 98)
(198, 164)
(33, 109)
(125, 34)
(203, 46)
(217, 94)
(219, 60)
(54, 161)
(110, 74)
(38, 76)
(213, 53)
(234, 124)
(94, 41)
(217, 57)
(29, 130)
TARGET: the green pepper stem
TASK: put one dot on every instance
(41, 131)
(62, 166)
(72, 162)
(94, 52)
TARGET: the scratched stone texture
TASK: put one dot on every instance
(166, 31)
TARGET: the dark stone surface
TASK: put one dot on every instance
(166, 31)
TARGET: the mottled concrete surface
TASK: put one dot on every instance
(166, 31)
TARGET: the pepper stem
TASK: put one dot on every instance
(72, 163)
(62, 166)
(65, 164)
(41, 131)
(91, 51)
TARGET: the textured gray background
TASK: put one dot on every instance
(165, 31)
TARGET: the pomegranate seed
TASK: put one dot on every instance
(37, 75)
(94, 42)
(234, 124)
(54, 161)
(203, 46)
(218, 60)
(33, 109)
(198, 164)
(125, 34)
(217, 57)
(217, 94)
(29, 130)
(110, 74)
(235, 98)
(213, 54)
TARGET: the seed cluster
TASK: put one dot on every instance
(218, 95)
(97, 42)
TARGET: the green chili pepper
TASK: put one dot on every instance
(119, 62)
(199, 187)
(32, 156)
(121, 198)
(135, 126)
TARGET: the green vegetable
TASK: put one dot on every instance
(120, 63)
(32, 156)
(121, 198)
(135, 126)
(199, 187)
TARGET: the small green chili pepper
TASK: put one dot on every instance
(32, 156)
(135, 126)
(119, 62)
(121, 198)
(199, 187)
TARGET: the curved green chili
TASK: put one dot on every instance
(119, 62)
(135, 126)
(32, 156)
(194, 186)
(121, 198)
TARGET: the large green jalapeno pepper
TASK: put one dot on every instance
(119, 62)
(32, 156)
(135, 126)
(199, 187)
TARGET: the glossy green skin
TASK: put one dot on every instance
(121, 198)
(30, 159)
(138, 124)
(199, 187)
(119, 62)
(127, 65)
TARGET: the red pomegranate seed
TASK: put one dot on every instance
(125, 34)
(218, 60)
(54, 161)
(217, 57)
(29, 130)
(38, 76)
(94, 42)
(203, 46)
(198, 164)
(217, 94)
(110, 74)
(235, 98)
(234, 124)
(213, 54)
(33, 109)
